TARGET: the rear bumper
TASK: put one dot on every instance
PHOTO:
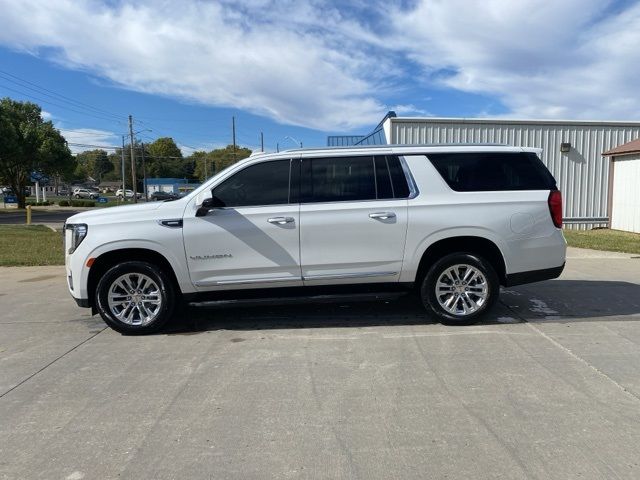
(531, 276)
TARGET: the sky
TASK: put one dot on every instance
(301, 70)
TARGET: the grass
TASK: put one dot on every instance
(604, 239)
(22, 245)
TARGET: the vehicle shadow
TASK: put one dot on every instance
(574, 300)
(555, 300)
(403, 310)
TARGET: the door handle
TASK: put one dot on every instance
(382, 215)
(281, 220)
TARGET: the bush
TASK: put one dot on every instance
(38, 204)
(63, 203)
(83, 203)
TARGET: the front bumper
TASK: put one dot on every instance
(82, 302)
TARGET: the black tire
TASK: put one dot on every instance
(77, 196)
(165, 291)
(491, 284)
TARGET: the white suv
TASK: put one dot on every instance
(452, 222)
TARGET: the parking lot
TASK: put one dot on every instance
(547, 387)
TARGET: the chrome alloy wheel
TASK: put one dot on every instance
(462, 290)
(134, 299)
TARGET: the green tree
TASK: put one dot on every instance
(28, 144)
(208, 164)
(203, 165)
(164, 159)
(96, 163)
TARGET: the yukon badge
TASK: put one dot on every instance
(210, 257)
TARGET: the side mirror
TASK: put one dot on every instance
(209, 204)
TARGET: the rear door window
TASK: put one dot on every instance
(491, 171)
(344, 179)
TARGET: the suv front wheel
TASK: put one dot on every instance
(460, 288)
(135, 298)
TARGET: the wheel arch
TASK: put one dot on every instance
(108, 259)
(465, 244)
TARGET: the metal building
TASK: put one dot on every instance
(571, 149)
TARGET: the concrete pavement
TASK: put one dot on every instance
(547, 387)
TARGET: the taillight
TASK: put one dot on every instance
(555, 207)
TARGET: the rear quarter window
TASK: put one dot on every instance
(491, 171)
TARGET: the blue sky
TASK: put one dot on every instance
(308, 69)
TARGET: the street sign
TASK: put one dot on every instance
(10, 199)
(39, 177)
(103, 200)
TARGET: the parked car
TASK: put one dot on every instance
(85, 193)
(452, 223)
(127, 194)
(63, 192)
(156, 196)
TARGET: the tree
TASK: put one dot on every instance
(96, 163)
(164, 159)
(202, 165)
(208, 164)
(29, 145)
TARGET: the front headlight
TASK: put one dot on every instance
(78, 232)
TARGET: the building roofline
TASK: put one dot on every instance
(514, 121)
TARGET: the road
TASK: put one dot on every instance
(548, 387)
(37, 216)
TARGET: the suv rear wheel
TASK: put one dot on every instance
(135, 298)
(460, 288)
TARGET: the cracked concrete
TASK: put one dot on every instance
(349, 390)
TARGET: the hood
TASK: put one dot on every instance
(123, 212)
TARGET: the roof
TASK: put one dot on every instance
(624, 149)
(517, 121)
(168, 181)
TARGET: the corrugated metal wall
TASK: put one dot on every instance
(582, 174)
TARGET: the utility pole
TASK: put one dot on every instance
(144, 175)
(205, 166)
(233, 129)
(261, 142)
(133, 162)
(123, 182)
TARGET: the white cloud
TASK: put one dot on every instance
(329, 66)
(46, 116)
(258, 56)
(570, 58)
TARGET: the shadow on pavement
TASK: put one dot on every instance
(574, 300)
(556, 300)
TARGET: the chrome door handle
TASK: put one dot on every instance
(382, 215)
(281, 220)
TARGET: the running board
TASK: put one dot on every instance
(273, 301)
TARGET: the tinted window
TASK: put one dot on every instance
(467, 172)
(338, 179)
(400, 185)
(262, 184)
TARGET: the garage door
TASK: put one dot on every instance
(625, 212)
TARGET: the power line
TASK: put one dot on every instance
(58, 105)
(40, 89)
